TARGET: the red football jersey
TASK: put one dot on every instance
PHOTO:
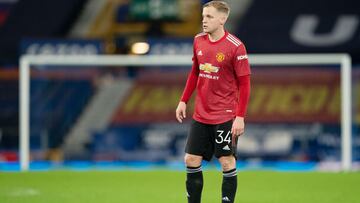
(217, 68)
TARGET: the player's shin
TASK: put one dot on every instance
(194, 184)
(229, 186)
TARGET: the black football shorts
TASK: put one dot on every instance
(207, 140)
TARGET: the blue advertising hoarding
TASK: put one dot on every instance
(62, 47)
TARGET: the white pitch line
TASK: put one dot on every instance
(20, 192)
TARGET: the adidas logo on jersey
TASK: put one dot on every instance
(200, 53)
(226, 198)
(226, 147)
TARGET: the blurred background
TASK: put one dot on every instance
(127, 114)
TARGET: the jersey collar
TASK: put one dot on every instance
(217, 41)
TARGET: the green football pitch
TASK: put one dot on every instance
(157, 186)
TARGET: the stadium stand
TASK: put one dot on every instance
(38, 19)
(56, 103)
(8, 113)
(275, 30)
(5, 8)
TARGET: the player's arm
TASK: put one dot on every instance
(242, 70)
(188, 90)
(244, 95)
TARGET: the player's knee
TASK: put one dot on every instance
(192, 160)
(227, 162)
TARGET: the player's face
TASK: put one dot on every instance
(212, 19)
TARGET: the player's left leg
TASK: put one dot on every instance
(229, 184)
(225, 151)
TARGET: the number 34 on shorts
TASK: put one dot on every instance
(223, 136)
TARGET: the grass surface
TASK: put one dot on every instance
(162, 186)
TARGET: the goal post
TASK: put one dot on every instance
(26, 61)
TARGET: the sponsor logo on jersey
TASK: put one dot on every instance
(208, 68)
(220, 57)
(209, 76)
(200, 53)
(242, 57)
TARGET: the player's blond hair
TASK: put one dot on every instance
(221, 6)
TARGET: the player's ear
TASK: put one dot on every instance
(223, 19)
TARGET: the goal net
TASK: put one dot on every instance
(122, 107)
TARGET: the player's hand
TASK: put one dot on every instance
(237, 127)
(181, 111)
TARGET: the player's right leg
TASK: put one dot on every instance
(194, 178)
(196, 145)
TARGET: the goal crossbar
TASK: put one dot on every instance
(26, 61)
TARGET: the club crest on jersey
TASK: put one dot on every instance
(220, 57)
(208, 68)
